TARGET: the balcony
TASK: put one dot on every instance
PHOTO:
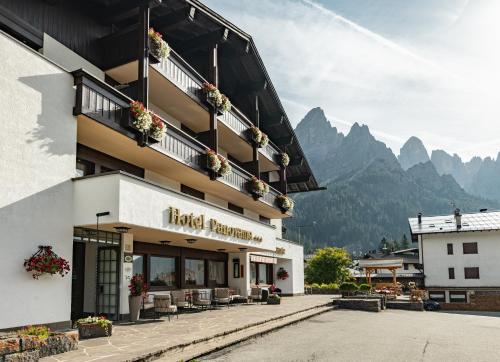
(145, 207)
(177, 88)
(101, 110)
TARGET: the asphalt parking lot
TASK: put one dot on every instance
(391, 335)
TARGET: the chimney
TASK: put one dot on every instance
(458, 219)
(419, 216)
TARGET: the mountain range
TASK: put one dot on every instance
(371, 192)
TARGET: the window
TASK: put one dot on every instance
(458, 297)
(405, 266)
(193, 192)
(471, 273)
(194, 272)
(261, 273)
(264, 219)
(438, 296)
(470, 248)
(216, 273)
(451, 273)
(235, 208)
(450, 249)
(84, 167)
(162, 271)
(138, 264)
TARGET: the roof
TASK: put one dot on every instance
(381, 263)
(480, 221)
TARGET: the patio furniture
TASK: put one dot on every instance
(259, 294)
(201, 298)
(221, 296)
(163, 304)
(179, 298)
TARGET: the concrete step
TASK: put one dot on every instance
(198, 349)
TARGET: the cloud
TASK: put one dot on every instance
(318, 58)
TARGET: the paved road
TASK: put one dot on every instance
(391, 335)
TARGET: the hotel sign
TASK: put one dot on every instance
(199, 223)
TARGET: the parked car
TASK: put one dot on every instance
(431, 305)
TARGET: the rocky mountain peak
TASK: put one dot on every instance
(412, 153)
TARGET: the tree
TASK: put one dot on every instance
(328, 265)
(404, 242)
(383, 244)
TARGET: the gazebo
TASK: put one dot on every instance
(371, 266)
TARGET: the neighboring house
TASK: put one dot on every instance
(461, 258)
(409, 270)
(78, 175)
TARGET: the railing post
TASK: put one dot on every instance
(143, 55)
(213, 140)
(283, 185)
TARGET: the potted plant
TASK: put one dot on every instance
(138, 290)
(274, 299)
(264, 140)
(158, 128)
(218, 100)
(141, 117)
(285, 203)
(45, 261)
(258, 187)
(255, 134)
(284, 159)
(282, 274)
(93, 327)
(225, 167)
(158, 48)
(213, 161)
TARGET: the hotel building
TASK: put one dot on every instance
(460, 255)
(78, 173)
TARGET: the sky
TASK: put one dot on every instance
(425, 68)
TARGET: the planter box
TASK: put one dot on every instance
(92, 330)
(273, 301)
(31, 348)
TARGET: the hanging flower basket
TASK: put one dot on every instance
(282, 274)
(218, 100)
(225, 167)
(45, 261)
(255, 134)
(285, 203)
(284, 159)
(264, 140)
(258, 187)
(213, 161)
(158, 48)
(141, 117)
(158, 129)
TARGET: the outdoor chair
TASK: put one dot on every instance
(221, 296)
(179, 298)
(201, 298)
(163, 304)
(259, 294)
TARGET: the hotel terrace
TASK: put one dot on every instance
(91, 172)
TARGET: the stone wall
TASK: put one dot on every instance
(381, 297)
(480, 301)
(369, 305)
(14, 348)
(406, 305)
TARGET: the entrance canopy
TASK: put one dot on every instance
(372, 265)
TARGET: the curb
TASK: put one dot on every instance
(161, 352)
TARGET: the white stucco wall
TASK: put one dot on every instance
(437, 261)
(243, 282)
(37, 160)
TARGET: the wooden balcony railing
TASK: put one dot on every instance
(102, 103)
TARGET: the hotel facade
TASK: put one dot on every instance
(114, 199)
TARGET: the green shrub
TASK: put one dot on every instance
(348, 287)
(365, 287)
(333, 286)
(315, 285)
(42, 332)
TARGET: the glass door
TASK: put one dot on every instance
(108, 262)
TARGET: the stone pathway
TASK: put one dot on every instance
(154, 338)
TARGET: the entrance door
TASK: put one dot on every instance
(77, 281)
(108, 275)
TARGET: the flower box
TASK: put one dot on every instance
(274, 299)
(285, 203)
(257, 188)
(158, 129)
(216, 99)
(158, 48)
(94, 330)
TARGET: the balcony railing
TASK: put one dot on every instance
(102, 103)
